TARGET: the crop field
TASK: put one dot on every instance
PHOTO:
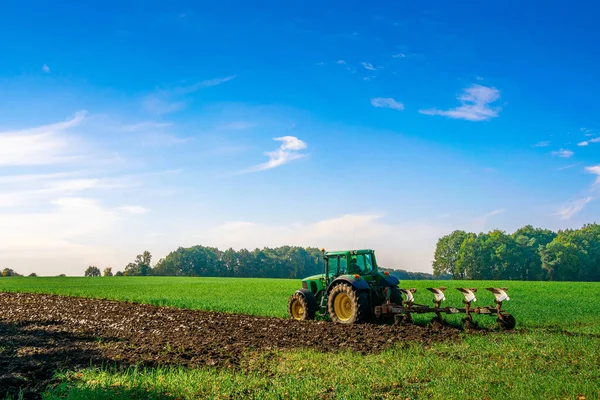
(231, 338)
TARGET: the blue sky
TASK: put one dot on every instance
(131, 126)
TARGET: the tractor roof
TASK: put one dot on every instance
(342, 252)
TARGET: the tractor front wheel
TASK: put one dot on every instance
(299, 308)
(346, 305)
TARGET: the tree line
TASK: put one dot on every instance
(280, 262)
(527, 254)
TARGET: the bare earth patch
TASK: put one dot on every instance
(40, 334)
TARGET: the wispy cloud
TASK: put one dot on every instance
(160, 139)
(399, 55)
(387, 102)
(167, 101)
(289, 150)
(46, 69)
(562, 153)
(544, 143)
(594, 170)
(182, 90)
(158, 106)
(569, 166)
(572, 208)
(142, 126)
(341, 62)
(47, 144)
(368, 66)
(476, 100)
(587, 142)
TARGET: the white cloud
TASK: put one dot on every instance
(475, 101)
(47, 144)
(288, 151)
(387, 103)
(594, 170)
(135, 209)
(46, 69)
(407, 246)
(399, 55)
(572, 208)
(368, 66)
(563, 153)
(341, 62)
(584, 143)
(544, 143)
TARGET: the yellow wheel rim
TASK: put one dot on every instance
(297, 310)
(342, 305)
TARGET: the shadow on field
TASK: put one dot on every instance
(31, 352)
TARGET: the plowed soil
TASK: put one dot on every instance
(40, 334)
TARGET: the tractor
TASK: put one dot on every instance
(353, 290)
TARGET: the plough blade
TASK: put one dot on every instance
(468, 293)
(438, 294)
(499, 294)
(409, 295)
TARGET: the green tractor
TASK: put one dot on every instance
(352, 290)
(348, 290)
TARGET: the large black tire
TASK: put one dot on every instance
(300, 308)
(347, 305)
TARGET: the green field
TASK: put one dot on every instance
(554, 352)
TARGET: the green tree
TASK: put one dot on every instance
(9, 272)
(92, 271)
(141, 265)
(447, 254)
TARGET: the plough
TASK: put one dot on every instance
(402, 313)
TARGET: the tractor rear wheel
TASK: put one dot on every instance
(299, 308)
(347, 305)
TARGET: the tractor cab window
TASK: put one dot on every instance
(332, 266)
(343, 265)
(361, 264)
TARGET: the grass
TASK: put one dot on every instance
(538, 360)
(555, 305)
(530, 366)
